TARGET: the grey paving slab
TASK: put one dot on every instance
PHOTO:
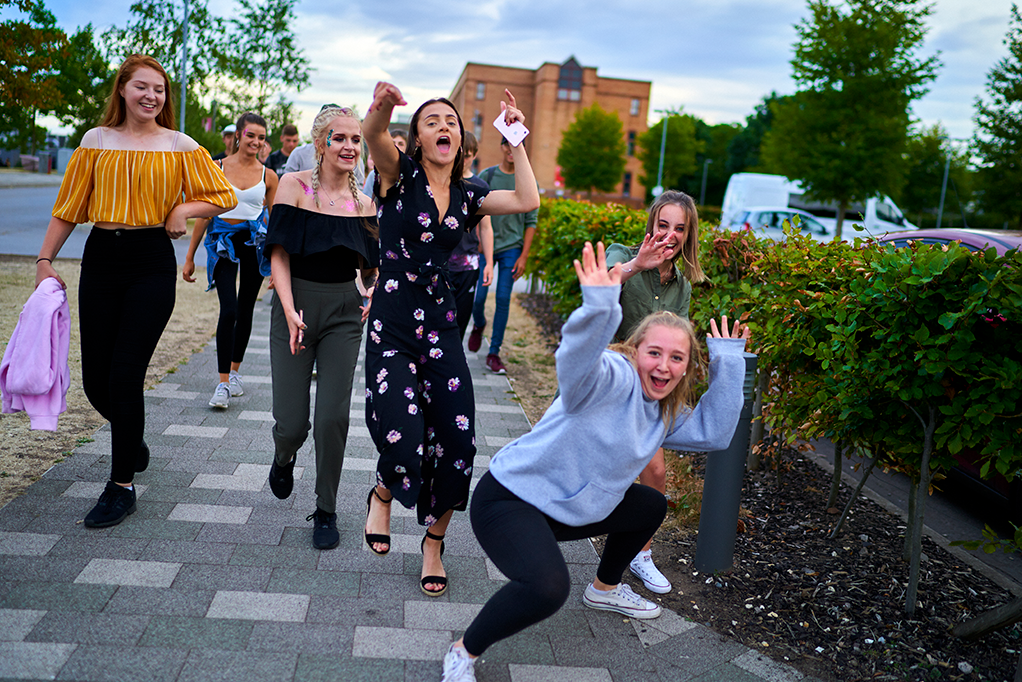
(126, 572)
(213, 578)
(15, 624)
(33, 660)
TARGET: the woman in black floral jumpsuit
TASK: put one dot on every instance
(419, 404)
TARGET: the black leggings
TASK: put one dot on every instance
(522, 542)
(463, 284)
(234, 327)
(125, 298)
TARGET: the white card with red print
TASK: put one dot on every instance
(513, 133)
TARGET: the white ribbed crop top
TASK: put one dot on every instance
(250, 201)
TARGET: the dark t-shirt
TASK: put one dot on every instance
(276, 162)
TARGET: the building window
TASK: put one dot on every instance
(635, 107)
(480, 90)
(477, 123)
(569, 82)
(631, 143)
(626, 185)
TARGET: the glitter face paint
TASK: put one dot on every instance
(329, 137)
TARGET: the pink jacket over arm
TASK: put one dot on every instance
(34, 376)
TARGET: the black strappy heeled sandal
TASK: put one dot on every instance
(376, 537)
(436, 579)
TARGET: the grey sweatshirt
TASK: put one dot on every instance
(602, 430)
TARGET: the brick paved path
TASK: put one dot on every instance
(213, 578)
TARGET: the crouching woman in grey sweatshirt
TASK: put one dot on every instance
(572, 476)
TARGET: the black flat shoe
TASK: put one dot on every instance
(115, 504)
(435, 579)
(324, 531)
(376, 537)
(282, 478)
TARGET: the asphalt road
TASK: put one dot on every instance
(25, 212)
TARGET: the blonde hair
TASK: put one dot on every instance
(319, 134)
(683, 395)
(690, 248)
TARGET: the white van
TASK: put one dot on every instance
(745, 190)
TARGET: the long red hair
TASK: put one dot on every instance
(116, 111)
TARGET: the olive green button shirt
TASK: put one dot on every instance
(644, 294)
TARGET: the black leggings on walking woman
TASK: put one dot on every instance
(522, 542)
(234, 327)
(125, 299)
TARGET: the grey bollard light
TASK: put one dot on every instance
(722, 488)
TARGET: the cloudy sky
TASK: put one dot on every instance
(716, 60)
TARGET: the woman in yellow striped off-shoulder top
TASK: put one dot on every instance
(138, 181)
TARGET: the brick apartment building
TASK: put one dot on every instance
(550, 96)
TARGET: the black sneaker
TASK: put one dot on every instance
(114, 505)
(282, 478)
(324, 531)
(142, 461)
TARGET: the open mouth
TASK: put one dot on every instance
(443, 144)
(659, 384)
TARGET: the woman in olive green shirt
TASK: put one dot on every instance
(653, 279)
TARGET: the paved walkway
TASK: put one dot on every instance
(213, 578)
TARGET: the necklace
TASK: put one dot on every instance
(327, 195)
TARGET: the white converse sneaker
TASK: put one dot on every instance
(620, 600)
(458, 666)
(237, 385)
(644, 569)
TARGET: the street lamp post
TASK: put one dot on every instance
(702, 190)
(184, 66)
(659, 189)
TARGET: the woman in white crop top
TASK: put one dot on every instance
(234, 243)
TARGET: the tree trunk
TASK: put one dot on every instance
(756, 434)
(841, 210)
(916, 521)
(851, 501)
(906, 551)
(994, 619)
(835, 479)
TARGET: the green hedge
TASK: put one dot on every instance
(865, 343)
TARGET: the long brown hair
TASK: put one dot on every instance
(689, 252)
(683, 395)
(415, 150)
(116, 111)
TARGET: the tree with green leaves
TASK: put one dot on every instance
(265, 58)
(843, 134)
(592, 151)
(998, 139)
(29, 82)
(85, 82)
(928, 151)
(743, 152)
(680, 151)
(156, 28)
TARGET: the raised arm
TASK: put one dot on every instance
(652, 253)
(386, 158)
(525, 196)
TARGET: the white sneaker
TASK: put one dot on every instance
(620, 600)
(458, 666)
(644, 569)
(221, 396)
(237, 385)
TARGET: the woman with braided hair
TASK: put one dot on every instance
(322, 233)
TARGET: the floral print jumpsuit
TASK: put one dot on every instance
(420, 408)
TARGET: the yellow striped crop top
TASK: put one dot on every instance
(137, 188)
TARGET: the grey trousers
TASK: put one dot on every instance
(331, 313)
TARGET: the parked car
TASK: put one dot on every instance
(768, 221)
(745, 190)
(1006, 496)
(974, 240)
